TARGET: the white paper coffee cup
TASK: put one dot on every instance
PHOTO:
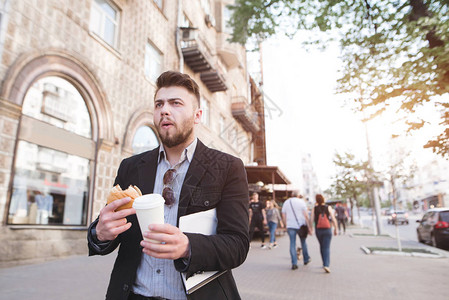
(150, 210)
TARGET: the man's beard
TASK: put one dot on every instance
(179, 137)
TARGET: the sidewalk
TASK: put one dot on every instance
(355, 275)
(266, 274)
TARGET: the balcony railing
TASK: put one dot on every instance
(214, 81)
(194, 57)
(198, 59)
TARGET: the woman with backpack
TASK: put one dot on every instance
(323, 216)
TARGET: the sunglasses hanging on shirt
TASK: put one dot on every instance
(167, 193)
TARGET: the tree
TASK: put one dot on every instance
(395, 53)
(347, 183)
(399, 173)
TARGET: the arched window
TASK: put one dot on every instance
(145, 139)
(54, 156)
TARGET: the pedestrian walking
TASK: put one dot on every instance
(341, 214)
(257, 217)
(296, 218)
(150, 268)
(273, 219)
(323, 216)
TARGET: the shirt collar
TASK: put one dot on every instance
(186, 154)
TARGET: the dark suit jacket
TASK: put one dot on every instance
(214, 180)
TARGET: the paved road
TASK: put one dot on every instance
(265, 275)
(406, 231)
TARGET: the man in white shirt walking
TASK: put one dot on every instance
(294, 215)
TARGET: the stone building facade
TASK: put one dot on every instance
(76, 97)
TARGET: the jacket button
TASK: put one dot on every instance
(125, 287)
(206, 203)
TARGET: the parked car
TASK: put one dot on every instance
(386, 211)
(398, 217)
(434, 228)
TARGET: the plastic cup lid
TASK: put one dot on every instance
(148, 201)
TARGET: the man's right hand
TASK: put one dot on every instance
(111, 223)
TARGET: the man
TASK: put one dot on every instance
(295, 214)
(257, 217)
(342, 216)
(200, 179)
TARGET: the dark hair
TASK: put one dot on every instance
(319, 199)
(173, 78)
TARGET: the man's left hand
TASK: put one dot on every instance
(171, 243)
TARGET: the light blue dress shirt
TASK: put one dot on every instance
(158, 277)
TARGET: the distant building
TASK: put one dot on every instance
(310, 182)
(431, 185)
(428, 182)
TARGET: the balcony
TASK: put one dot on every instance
(214, 81)
(195, 58)
(231, 53)
(245, 114)
(198, 59)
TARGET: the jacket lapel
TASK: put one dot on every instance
(147, 171)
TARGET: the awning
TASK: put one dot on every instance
(266, 174)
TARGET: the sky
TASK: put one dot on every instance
(305, 115)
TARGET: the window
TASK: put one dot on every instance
(54, 157)
(433, 217)
(104, 21)
(205, 4)
(48, 187)
(206, 112)
(153, 62)
(227, 13)
(444, 216)
(184, 21)
(159, 3)
(221, 127)
(55, 101)
(233, 137)
(145, 139)
(4, 8)
(209, 18)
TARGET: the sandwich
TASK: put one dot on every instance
(117, 193)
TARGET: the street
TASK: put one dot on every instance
(406, 231)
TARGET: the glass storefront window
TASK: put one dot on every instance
(52, 174)
(145, 139)
(50, 187)
(57, 102)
